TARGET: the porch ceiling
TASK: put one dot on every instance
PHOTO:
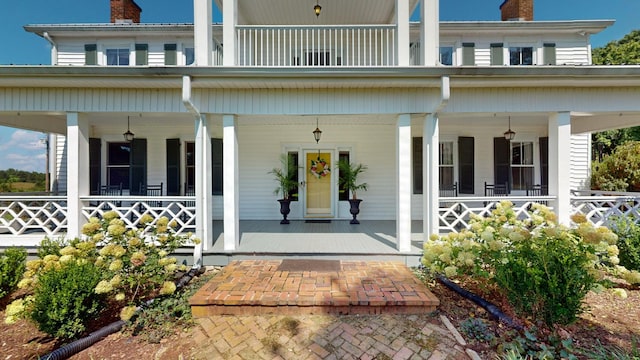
(300, 12)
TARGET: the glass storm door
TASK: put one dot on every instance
(319, 183)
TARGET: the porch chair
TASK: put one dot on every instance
(111, 190)
(538, 190)
(495, 190)
(152, 190)
(449, 190)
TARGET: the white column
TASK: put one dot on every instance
(559, 164)
(204, 216)
(202, 32)
(77, 171)
(229, 21)
(231, 189)
(430, 32)
(430, 175)
(402, 32)
(403, 171)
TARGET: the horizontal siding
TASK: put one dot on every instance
(580, 161)
(61, 163)
(71, 54)
(572, 55)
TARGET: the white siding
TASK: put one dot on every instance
(71, 54)
(61, 161)
(580, 161)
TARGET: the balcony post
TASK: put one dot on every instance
(560, 164)
(230, 175)
(402, 33)
(203, 37)
(430, 32)
(77, 171)
(229, 22)
(403, 173)
(430, 175)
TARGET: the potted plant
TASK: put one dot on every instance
(348, 181)
(286, 177)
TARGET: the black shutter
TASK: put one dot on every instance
(544, 161)
(468, 54)
(173, 167)
(216, 166)
(138, 166)
(501, 161)
(417, 165)
(142, 54)
(497, 54)
(466, 153)
(95, 159)
(170, 54)
(549, 54)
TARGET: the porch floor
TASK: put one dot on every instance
(252, 287)
(268, 239)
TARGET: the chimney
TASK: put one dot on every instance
(125, 11)
(517, 10)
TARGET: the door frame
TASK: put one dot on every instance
(333, 187)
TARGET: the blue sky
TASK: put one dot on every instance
(22, 150)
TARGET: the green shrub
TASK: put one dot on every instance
(12, 266)
(64, 299)
(628, 242)
(544, 268)
(619, 171)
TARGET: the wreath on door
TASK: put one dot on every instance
(319, 168)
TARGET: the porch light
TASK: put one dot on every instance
(317, 133)
(509, 134)
(128, 136)
(317, 9)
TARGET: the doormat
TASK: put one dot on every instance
(309, 265)
(318, 221)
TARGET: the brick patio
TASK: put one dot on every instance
(256, 287)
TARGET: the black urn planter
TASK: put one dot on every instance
(284, 210)
(354, 210)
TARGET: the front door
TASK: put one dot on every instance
(319, 183)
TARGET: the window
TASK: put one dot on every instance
(170, 57)
(521, 56)
(91, 54)
(497, 56)
(521, 165)
(118, 158)
(118, 57)
(549, 54)
(445, 163)
(343, 192)
(216, 165)
(468, 54)
(189, 56)
(446, 55)
(142, 54)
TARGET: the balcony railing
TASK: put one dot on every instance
(313, 46)
(23, 214)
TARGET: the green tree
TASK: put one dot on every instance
(619, 171)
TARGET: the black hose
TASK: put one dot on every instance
(491, 308)
(75, 347)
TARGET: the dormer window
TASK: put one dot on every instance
(446, 55)
(117, 57)
(521, 55)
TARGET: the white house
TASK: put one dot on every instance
(425, 105)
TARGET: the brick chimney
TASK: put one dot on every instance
(517, 10)
(125, 11)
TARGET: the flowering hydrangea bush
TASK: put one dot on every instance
(133, 265)
(545, 268)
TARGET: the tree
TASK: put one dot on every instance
(625, 51)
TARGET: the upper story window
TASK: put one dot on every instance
(521, 55)
(446, 55)
(117, 57)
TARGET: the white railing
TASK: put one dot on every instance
(312, 46)
(181, 209)
(23, 214)
(599, 209)
(455, 212)
(218, 54)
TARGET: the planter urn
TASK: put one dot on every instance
(284, 210)
(354, 210)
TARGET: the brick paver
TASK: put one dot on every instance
(257, 287)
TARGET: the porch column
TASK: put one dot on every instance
(430, 175)
(204, 199)
(430, 32)
(559, 165)
(77, 170)
(402, 32)
(230, 175)
(229, 21)
(202, 32)
(403, 173)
